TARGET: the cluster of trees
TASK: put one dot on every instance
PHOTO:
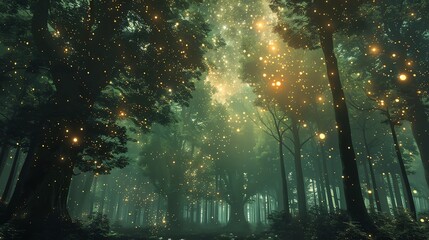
(71, 73)
(393, 33)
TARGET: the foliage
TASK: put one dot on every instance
(97, 227)
(323, 225)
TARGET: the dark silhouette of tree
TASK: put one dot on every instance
(312, 24)
(146, 51)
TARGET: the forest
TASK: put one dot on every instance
(214, 119)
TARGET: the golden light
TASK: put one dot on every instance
(322, 136)
(369, 192)
(415, 191)
(422, 220)
(75, 140)
(278, 83)
(393, 55)
(374, 49)
(260, 24)
(403, 77)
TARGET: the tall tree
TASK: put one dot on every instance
(88, 46)
(312, 24)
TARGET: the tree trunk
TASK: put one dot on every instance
(285, 204)
(371, 172)
(321, 187)
(313, 188)
(420, 130)
(353, 194)
(11, 176)
(392, 195)
(383, 192)
(85, 196)
(396, 191)
(43, 185)
(326, 177)
(174, 211)
(300, 185)
(404, 175)
(103, 198)
(4, 154)
(369, 188)
(237, 219)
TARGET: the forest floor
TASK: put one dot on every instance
(210, 233)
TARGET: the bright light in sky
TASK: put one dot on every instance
(225, 74)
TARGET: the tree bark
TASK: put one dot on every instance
(285, 203)
(404, 175)
(4, 154)
(174, 211)
(391, 194)
(44, 181)
(326, 177)
(371, 172)
(353, 194)
(300, 185)
(369, 187)
(237, 217)
(383, 192)
(11, 176)
(420, 130)
(396, 191)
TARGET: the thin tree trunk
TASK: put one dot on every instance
(371, 171)
(326, 177)
(284, 185)
(11, 176)
(383, 192)
(396, 191)
(4, 154)
(369, 188)
(93, 195)
(392, 195)
(404, 175)
(313, 188)
(300, 185)
(320, 183)
(103, 198)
